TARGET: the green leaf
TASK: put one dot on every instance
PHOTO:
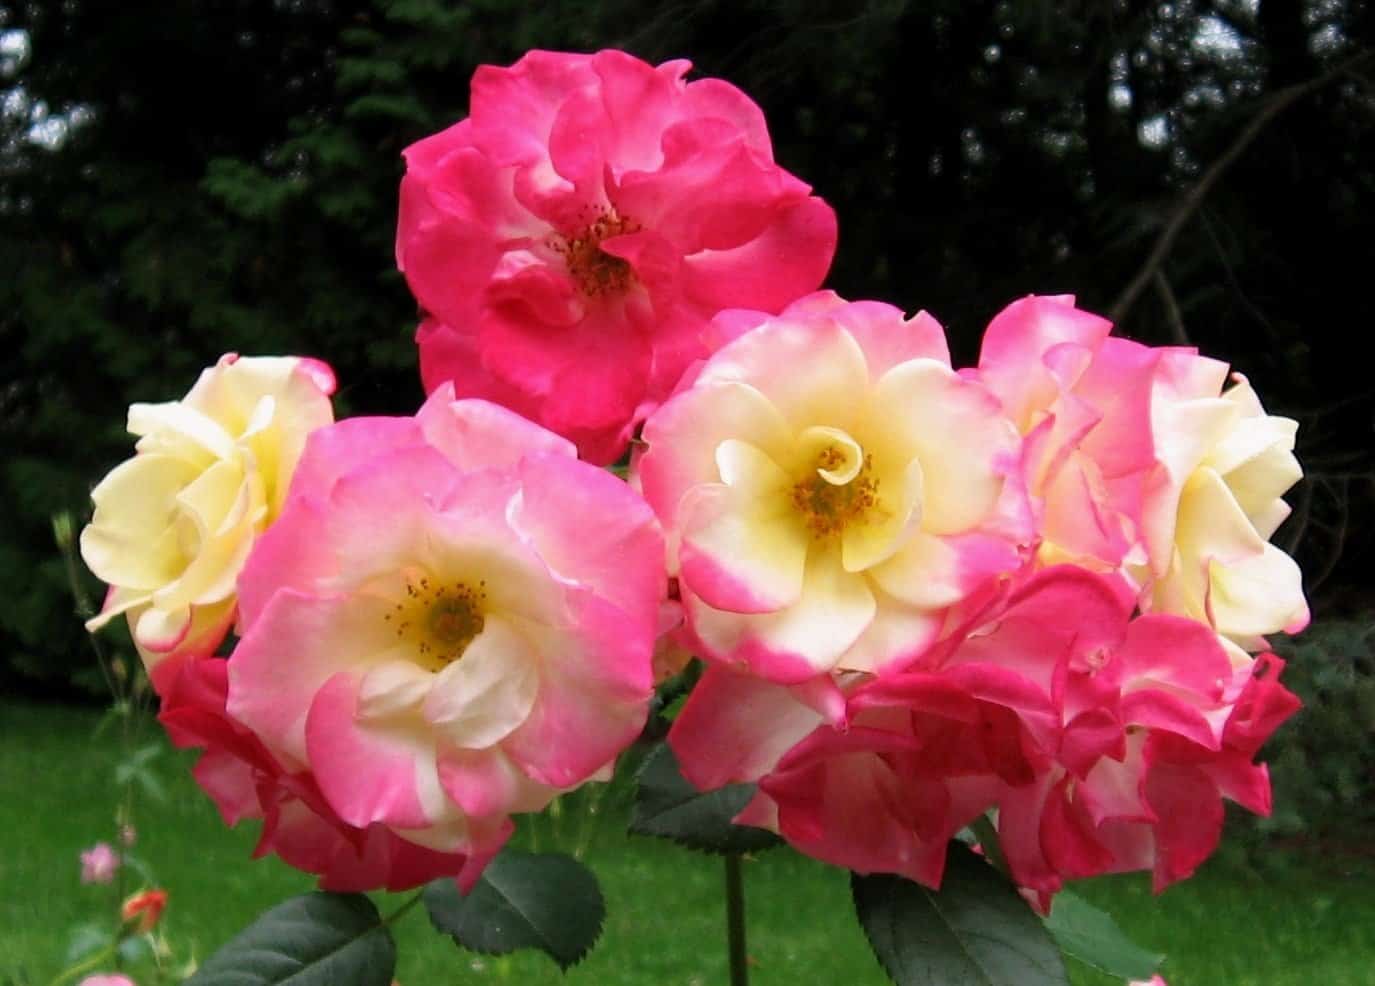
(976, 931)
(1094, 938)
(545, 901)
(317, 939)
(667, 805)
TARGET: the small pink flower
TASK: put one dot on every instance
(571, 239)
(107, 979)
(1156, 980)
(99, 863)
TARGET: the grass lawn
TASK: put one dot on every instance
(1314, 923)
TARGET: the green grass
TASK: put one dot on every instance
(1308, 922)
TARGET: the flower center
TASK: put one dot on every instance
(841, 491)
(438, 620)
(596, 272)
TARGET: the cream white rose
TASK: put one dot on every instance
(174, 524)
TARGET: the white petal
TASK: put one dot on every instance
(482, 697)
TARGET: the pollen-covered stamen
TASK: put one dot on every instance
(438, 619)
(837, 493)
(597, 272)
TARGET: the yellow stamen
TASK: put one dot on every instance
(439, 621)
(827, 507)
(596, 272)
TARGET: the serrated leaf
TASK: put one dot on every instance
(974, 931)
(668, 806)
(544, 901)
(318, 939)
(1094, 938)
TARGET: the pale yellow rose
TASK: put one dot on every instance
(1208, 526)
(174, 524)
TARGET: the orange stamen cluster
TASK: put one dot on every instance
(827, 508)
(597, 273)
(440, 620)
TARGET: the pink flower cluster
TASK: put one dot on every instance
(1027, 588)
(1033, 587)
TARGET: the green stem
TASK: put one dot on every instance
(87, 964)
(589, 813)
(988, 841)
(400, 911)
(735, 921)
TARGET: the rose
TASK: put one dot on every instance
(1212, 506)
(246, 782)
(1106, 744)
(142, 910)
(174, 524)
(570, 240)
(432, 639)
(1138, 464)
(833, 491)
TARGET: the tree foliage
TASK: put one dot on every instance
(181, 180)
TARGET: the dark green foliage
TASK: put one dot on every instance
(1320, 762)
(315, 940)
(668, 806)
(544, 901)
(974, 931)
(229, 183)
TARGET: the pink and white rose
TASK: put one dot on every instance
(834, 493)
(432, 637)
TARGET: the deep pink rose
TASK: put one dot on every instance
(570, 240)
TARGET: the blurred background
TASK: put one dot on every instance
(182, 179)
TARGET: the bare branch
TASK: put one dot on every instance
(1172, 312)
(1278, 102)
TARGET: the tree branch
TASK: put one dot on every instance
(1193, 198)
(1172, 312)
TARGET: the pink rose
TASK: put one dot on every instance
(99, 863)
(1140, 464)
(452, 620)
(247, 782)
(1106, 744)
(833, 491)
(1081, 399)
(570, 240)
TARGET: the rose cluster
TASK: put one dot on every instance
(1036, 589)
(1030, 587)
